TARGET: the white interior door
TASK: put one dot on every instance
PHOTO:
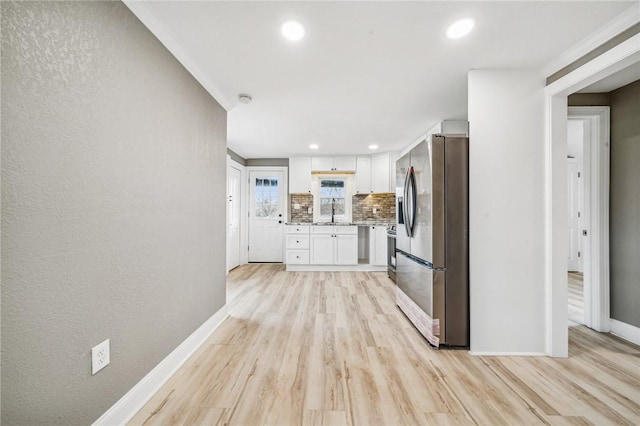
(234, 200)
(266, 215)
(573, 210)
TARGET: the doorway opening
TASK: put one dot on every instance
(578, 194)
(556, 99)
(588, 218)
(575, 216)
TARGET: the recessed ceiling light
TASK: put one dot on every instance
(460, 28)
(292, 30)
(373, 146)
(314, 146)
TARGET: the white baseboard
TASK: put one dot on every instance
(507, 353)
(365, 267)
(626, 331)
(127, 407)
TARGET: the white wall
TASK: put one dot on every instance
(506, 119)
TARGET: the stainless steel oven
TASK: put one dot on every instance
(391, 252)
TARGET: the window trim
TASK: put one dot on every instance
(349, 184)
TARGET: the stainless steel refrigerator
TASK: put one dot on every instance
(432, 239)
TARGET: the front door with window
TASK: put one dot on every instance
(266, 215)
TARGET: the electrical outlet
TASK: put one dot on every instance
(309, 210)
(375, 210)
(100, 357)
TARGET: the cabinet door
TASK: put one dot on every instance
(321, 164)
(321, 249)
(344, 164)
(346, 250)
(380, 173)
(378, 245)
(299, 175)
(363, 175)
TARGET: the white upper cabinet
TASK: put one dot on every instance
(344, 164)
(375, 174)
(363, 175)
(333, 164)
(383, 172)
(299, 175)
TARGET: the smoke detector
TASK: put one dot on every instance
(244, 99)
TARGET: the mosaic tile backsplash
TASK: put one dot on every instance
(385, 205)
(301, 215)
(363, 205)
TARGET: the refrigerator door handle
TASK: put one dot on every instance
(411, 198)
(404, 205)
(414, 202)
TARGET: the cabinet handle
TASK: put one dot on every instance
(298, 242)
(297, 257)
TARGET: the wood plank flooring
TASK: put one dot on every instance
(331, 348)
(576, 297)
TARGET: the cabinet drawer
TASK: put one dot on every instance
(297, 229)
(297, 241)
(322, 229)
(348, 230)
(297, 257)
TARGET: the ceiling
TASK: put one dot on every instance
(365, 72)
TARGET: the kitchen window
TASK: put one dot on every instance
(332, 195)
(332, 198)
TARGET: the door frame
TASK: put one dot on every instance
(596, 163)
(556, 113)
(285, 214)
(244, 209)
(580, 209)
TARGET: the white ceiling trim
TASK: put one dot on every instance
(614, 27)
(150, 20)
(617, 58)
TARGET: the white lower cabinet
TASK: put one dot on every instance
(378, 245)
(333, 245)
(297, 257)
(297, 243)
(321, 250)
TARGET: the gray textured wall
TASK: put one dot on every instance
(589, 99)
(268, 162)
(113, 176)
(625, 204)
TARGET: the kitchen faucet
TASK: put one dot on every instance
(333, 209)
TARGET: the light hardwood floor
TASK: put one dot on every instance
(322, 348)
(576, 297)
